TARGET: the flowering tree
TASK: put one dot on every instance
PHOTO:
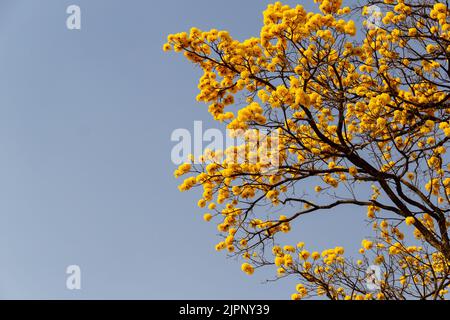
(348, 114)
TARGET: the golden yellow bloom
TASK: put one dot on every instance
(247, 268)
(353, 171)
(279, 261)
(315, 255)
(366, 244)
(410, 220)
(304, 254)
(289, 248)
(296, 296)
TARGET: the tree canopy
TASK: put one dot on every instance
(353, 107)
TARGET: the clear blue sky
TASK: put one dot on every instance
(85, 169)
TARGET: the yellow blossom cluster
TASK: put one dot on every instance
(350, 116)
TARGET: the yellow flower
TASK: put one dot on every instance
(350, 28)
(315, 255)
(167, 47)
(366, 244)
(410, 220)
(379, 259)
(296, 296)
(289, 248)
(201, 203)
(279, 261)
(395, 249)
(207, 217)
(220, 246)
(412, 32)
(304, 255)
(353, 171)
(247, 268)
(410, 175)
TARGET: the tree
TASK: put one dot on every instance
(350, 112)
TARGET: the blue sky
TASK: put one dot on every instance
(85, 169)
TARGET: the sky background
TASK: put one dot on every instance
(85, 170)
